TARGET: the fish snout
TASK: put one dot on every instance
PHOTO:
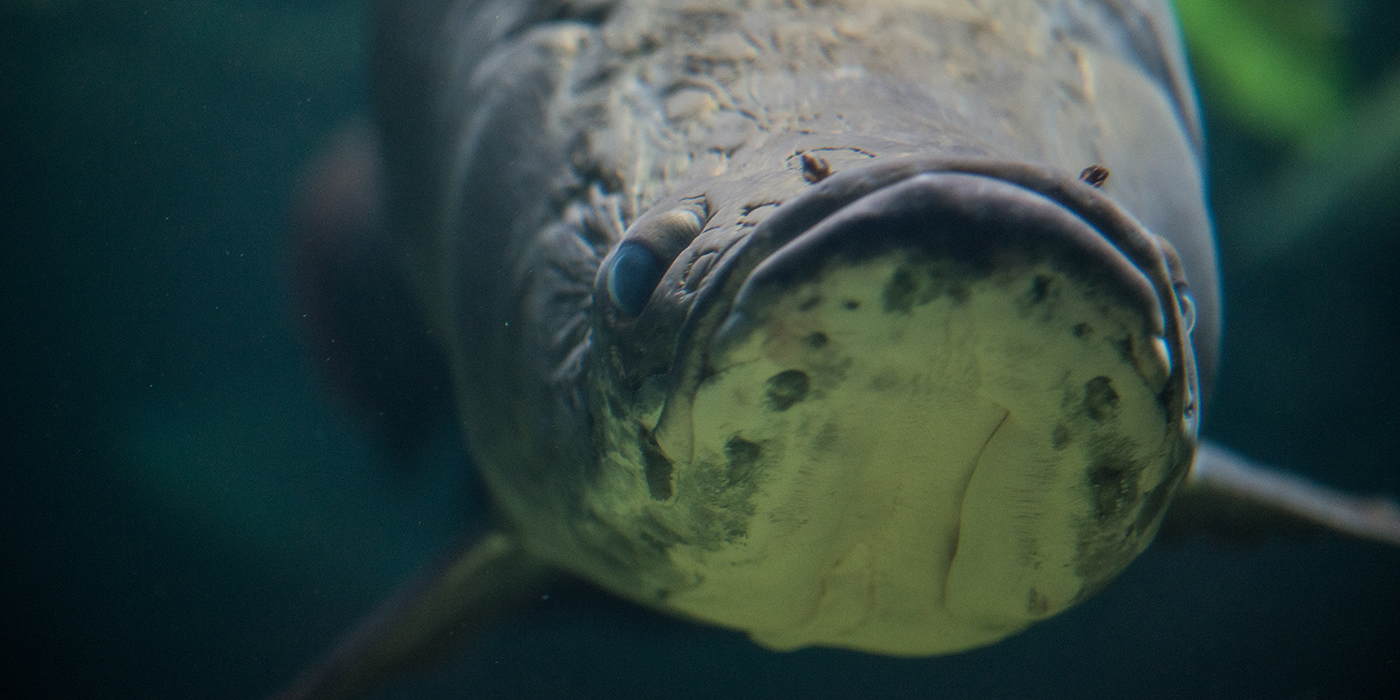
(964, 225)
(958, 402)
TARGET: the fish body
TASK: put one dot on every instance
(643, 448)
(876, 325)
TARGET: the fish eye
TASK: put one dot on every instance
(634, 274)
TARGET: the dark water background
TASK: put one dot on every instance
(183, 514)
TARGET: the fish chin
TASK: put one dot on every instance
(950, 408)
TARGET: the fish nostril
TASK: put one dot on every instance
(634, 274)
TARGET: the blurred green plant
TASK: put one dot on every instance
(1281, 72)
(1276, 67)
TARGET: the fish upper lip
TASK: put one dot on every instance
(786, 229)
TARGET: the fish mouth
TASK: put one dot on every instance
(957, 398)
(982, 212)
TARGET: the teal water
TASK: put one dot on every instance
(185, 514)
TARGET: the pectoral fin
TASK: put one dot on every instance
(1231, 497)
(442, 609)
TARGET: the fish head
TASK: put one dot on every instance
(913, 406)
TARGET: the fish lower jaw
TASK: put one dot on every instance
(908, 457)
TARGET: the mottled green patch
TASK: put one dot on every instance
(916, 284)
(1100, 399)
(900, 290)
(1040, 289)
(1109, 541)
(658, 467)
(1113, 482)
(1037, 603)
(742, 455)
(718, 491)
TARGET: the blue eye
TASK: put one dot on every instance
(634, 274)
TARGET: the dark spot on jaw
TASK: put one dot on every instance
(742, 455)
(787, 388)
(1036, 603)
(900, 291)
(1114, 486)
(1082, 329)
(817, 340)
(1125, 349)
(1040, 288)
(851, 304)
(1060, 437)
(659, 467)
(1100, 399)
